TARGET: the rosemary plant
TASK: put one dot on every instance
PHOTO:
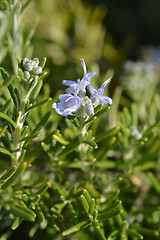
(81, 167)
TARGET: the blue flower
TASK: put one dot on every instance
(76, 102)
(68, 104)
(97, 95)
(80, 84)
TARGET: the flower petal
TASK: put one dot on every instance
(54, 105)
(67, 105)
(83, 65)
(106, 82)
(92, 90)
(68, 82)
(90, 75)
(106, 100)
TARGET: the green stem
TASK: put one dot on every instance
(80, 137)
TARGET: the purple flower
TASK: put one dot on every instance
(80, 84)
(97, 95)
(76, 102)
(68, 104)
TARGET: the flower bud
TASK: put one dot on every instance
(26, 75)
(37, 70)
(81, 93)
(28, 66)
(89, 110)
(25, 60)
(86, 100)
(95, 101)
(35, 62)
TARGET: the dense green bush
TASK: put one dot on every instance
(91, 171)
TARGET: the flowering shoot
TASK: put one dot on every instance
(76, 102)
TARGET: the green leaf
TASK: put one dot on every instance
(57, 189)
(26, 5)
(8, 173)
(124, 129)
(107, 134)
(110, 142)
(69, 148)
(33, 154)
(3, 53)
(134, 115)
(72, 192)
(114, 235)
(36, 199)
(5, 151)
(43, 74)
(22, 156)
(146, 166)
(14, 177)
(43, 62)
(24, 131)
(38, 104)
(6, 26)
(36, 89)
(57, 208)
(134, 234)
(126, 117)
(16, 223)
(111, 197)
(91, 143)
(17, 97)
(87, 195)
(150, 129)
(46, 149)
(6, 106)
(95, 214)
(21, 76)
(6, 83)
(155, 182)
(89, 121)
(39, 213)
(11, 91)
(25, 197)
(30, 137)
(6, 117)
(22, 212)
(84, 204)
(42, 189)
(4, 74)
(114, 206)
(123, 235)
(73, 120)
(98, 108)
(109, 214)
(60, 140)
(107, 164)
(3, 128)
(145, 231)
(41, 123)
(101, 112)
(92, 206)
(76, 228)
(99, 231)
